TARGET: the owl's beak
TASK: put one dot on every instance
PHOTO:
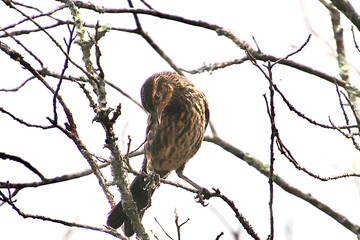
(157, 114)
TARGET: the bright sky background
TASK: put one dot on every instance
(237, 109)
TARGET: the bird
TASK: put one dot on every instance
(178, 117)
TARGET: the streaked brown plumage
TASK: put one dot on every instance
(178, 116)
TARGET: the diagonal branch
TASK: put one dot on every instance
(9, 201)
(348, 10)
(265, 170)
(23, 162)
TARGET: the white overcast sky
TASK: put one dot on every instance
(237, 109)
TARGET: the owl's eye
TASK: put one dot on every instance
(157, 96)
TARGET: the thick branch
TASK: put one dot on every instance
(348, 10)
(265, 170)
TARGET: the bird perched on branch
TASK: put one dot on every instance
(178, 117)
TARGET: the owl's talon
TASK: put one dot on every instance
(153, 181)
(202, 195)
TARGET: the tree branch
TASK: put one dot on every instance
(265, 170)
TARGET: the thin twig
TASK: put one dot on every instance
(23, 162)
(163, 229)
(9, 201)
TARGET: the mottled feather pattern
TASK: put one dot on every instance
(172, 143)
(178, 117)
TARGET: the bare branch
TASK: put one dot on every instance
(102, 112)
(295, 52)
(62, 222)
(23, 122)
(23, 162)
(15, 89)
(8, 3)
(238, 215)
(68, 43)
(265, 170)
(26, 49)
(348, 10)
(300, 114)
(47, 14)
(179, 225)
(163, 229)
(354, 39)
